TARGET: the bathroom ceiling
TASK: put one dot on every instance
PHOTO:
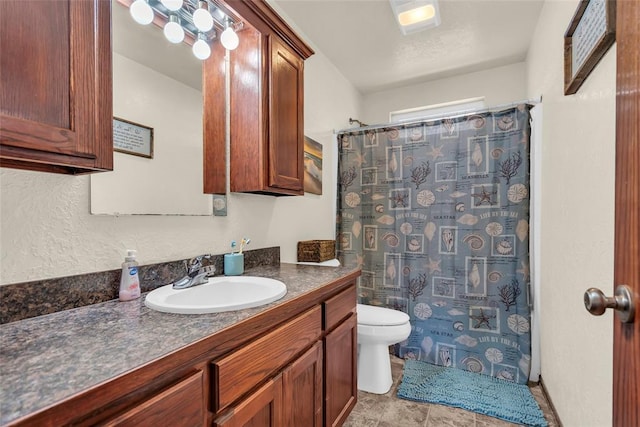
(363, 41)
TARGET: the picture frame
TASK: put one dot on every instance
(312, 166)
(132, 138)
(590, 34)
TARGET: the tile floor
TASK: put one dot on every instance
(387, 410)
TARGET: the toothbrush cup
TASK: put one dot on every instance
(233, 264)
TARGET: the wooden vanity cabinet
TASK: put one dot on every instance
(56, 86)
(302, 390)
(277, 353)
(262, 408)
(267, 103)
(292, 365)
(340, 354)
(180, 404)
(291, 399)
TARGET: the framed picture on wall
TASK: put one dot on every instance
(132, 138)
(312, 166)
(591, 33)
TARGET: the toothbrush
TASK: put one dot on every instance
(233, 245)
(245, 241)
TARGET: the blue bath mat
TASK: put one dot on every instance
(424, 382)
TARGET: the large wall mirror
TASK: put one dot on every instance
(157, 85)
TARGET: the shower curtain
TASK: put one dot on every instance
(436, 214)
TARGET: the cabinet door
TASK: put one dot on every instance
(286, 129)
(302, 390)
(55, 85)
(261, 409)
(341, 387)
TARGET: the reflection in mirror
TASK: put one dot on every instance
(157, 85)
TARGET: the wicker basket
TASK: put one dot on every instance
(316, 250)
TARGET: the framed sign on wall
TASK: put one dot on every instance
(132, 138)
(591, 33)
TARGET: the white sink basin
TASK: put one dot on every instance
(219, 294)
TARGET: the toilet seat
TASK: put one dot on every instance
(380, 316)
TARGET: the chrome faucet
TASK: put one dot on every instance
(196, 273)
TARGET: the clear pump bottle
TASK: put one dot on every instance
(129, 282)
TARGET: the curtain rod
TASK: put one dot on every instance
(442, 116)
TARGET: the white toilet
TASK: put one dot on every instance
(378, 328)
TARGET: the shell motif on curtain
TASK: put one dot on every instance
(436, 214)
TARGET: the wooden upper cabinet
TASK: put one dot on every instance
(267, 103)
(286, 121)
(56, 85)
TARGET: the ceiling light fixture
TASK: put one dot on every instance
(415, 15)
(195, 18)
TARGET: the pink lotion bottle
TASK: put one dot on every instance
(129, 282)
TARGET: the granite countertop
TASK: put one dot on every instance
(46, 359)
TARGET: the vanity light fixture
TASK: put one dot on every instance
(229, 38)
(172, 5)
(173, 31)
(202, 19)
(415, 15)
(195, 18)
(141, 12)
(201, 49)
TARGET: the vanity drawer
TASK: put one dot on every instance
(182, 403)
(339, 307)
(242, 370)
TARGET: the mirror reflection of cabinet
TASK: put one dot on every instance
(55, 89)
(161, 85)
(267, 98)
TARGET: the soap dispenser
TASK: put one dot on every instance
(129, 282)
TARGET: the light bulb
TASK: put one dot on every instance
(141, 12)
(419, 14)
(172, 5)
(201, 49)
(203, 20)
(173, 30)
(229, 39)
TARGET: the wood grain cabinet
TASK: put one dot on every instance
(267, 103)
(340, 356)
(293, 365)
(293, 398)
(302, 390)
(262, 408)
(180, 404)
(56, 85)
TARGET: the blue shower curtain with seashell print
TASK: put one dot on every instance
(436, 214)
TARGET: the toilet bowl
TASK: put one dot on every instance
(378, 328)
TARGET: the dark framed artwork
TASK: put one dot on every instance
(312, 166)
(132, 138)
(591, 33)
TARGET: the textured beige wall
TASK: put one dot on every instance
(46, 230)
(577, 223)
(499, 85)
